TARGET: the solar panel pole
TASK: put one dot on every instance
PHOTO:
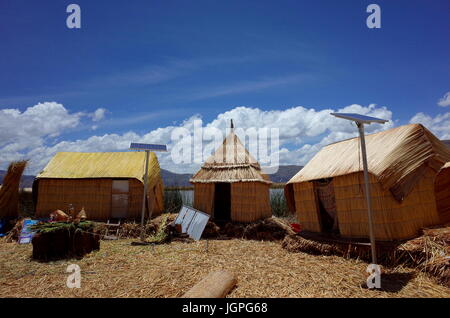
(147, 154)
(368, 197)
(147, 148)
(360, 120)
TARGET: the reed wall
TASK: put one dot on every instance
(204, 197)
(94, 195)
(306, 206)
(250, 201)
(442, 189)
(393, 220)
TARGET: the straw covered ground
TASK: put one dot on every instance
(264, 269)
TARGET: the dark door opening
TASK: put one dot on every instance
(326, 205)
(222, 202)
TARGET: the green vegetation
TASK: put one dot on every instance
(57, 226)
(161, 234)
(173, 188)
(279, 205)
(173, 201)
(276, 185)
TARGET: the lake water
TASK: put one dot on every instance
(187, 195)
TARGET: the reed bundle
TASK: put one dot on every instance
(428, 253)
(9, 192)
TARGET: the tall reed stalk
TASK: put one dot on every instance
(279, 205)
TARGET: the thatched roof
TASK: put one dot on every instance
(397, 157)
(230, 163)
(79, 165)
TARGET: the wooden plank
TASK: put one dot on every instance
(214, 285)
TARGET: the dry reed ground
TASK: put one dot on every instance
(264, 269)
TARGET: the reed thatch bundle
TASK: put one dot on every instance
(428, 253)
(9, 191)
(14, 234)
(215, 285)
(133, 229)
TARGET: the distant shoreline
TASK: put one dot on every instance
(175, 188)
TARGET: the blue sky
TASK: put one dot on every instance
(152, 64)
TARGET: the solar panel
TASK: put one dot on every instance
(181, 215)
(197, 225)
(187, 221)
(154, 147)
(192, 222)
(360, 118)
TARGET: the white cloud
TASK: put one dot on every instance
(30, 128)
(303, 131)
(99, 114)
(439, 125)
(37, 127)
(445, 101)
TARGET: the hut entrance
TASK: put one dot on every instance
(326, 205)
(222, 201)
(119, 199)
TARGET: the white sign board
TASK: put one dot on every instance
(192, 222)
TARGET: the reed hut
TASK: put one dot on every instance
(230, 185)
(409, 190)
(109, 185)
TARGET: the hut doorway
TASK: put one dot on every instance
(326, 205)
(222, 201)
(119, 199)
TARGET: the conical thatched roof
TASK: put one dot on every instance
(230, 163)
(396, 157)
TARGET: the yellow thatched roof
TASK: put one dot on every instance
(79, 165)
(396, 157)
(230, 163)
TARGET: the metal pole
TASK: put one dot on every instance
(368, 198)
(147, 153)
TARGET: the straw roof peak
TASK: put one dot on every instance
(231, 162)
(232, 152)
